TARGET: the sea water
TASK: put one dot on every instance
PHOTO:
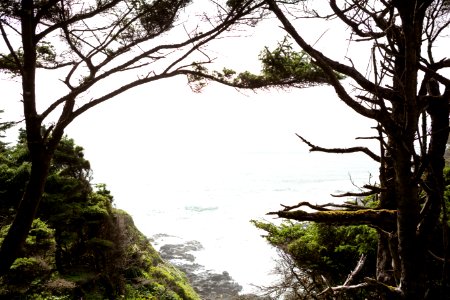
(215, 205)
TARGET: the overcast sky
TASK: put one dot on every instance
(163, 120)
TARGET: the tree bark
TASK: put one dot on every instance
(40, 154)
(406, 114)
(15, 239)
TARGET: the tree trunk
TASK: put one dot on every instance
(438, 110)
(406, 115)
(387, 268)
(384, 269)
(15, 239)
(412, 254)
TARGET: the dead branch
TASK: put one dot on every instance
(342, 288)
(340, 150)
(372, 191)
(324, 207)
(355, 271)
(369, 283)
(441, 259)
(351, 194)
(346, 286)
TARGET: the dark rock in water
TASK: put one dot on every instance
(180, 251)
(212, 286)
(208, 284)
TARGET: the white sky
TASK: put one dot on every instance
(165, 119)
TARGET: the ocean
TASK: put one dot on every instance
(215, 206)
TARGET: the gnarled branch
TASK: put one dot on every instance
(324, 207)
(340, 150)
(384, 218)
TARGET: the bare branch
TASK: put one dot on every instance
(346, 285)
(324, 207)
(441, 259)
(355, 271)
(354, 25)
(352, 194)
(340, 150)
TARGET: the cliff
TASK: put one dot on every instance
(99, 254)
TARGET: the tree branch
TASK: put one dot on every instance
(95, 76)
(356, 270)
(76, 18)
(383, 218)
(341, 150)
(10, 48)
(329, 66)
(324, 207)
(352, 194)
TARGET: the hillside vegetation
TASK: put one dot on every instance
(80, 246)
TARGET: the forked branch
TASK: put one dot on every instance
(340, 150)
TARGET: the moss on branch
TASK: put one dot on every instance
(377, 217)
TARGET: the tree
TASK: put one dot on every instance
(412, 116)
(92, 45)
(402, 94)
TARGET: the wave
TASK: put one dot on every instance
(195, 208)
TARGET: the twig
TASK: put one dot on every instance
(355, 271)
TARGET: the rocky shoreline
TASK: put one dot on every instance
(208, 284)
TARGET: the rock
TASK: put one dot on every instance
(208, 284)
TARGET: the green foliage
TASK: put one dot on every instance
(320, 250)
(285, 64)
(282, 67)
(27, 270)
(12, 62)
(24, 263)
(80, 245)
(174, 279)
(198, 82)
(40, 240)
(157, 16)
